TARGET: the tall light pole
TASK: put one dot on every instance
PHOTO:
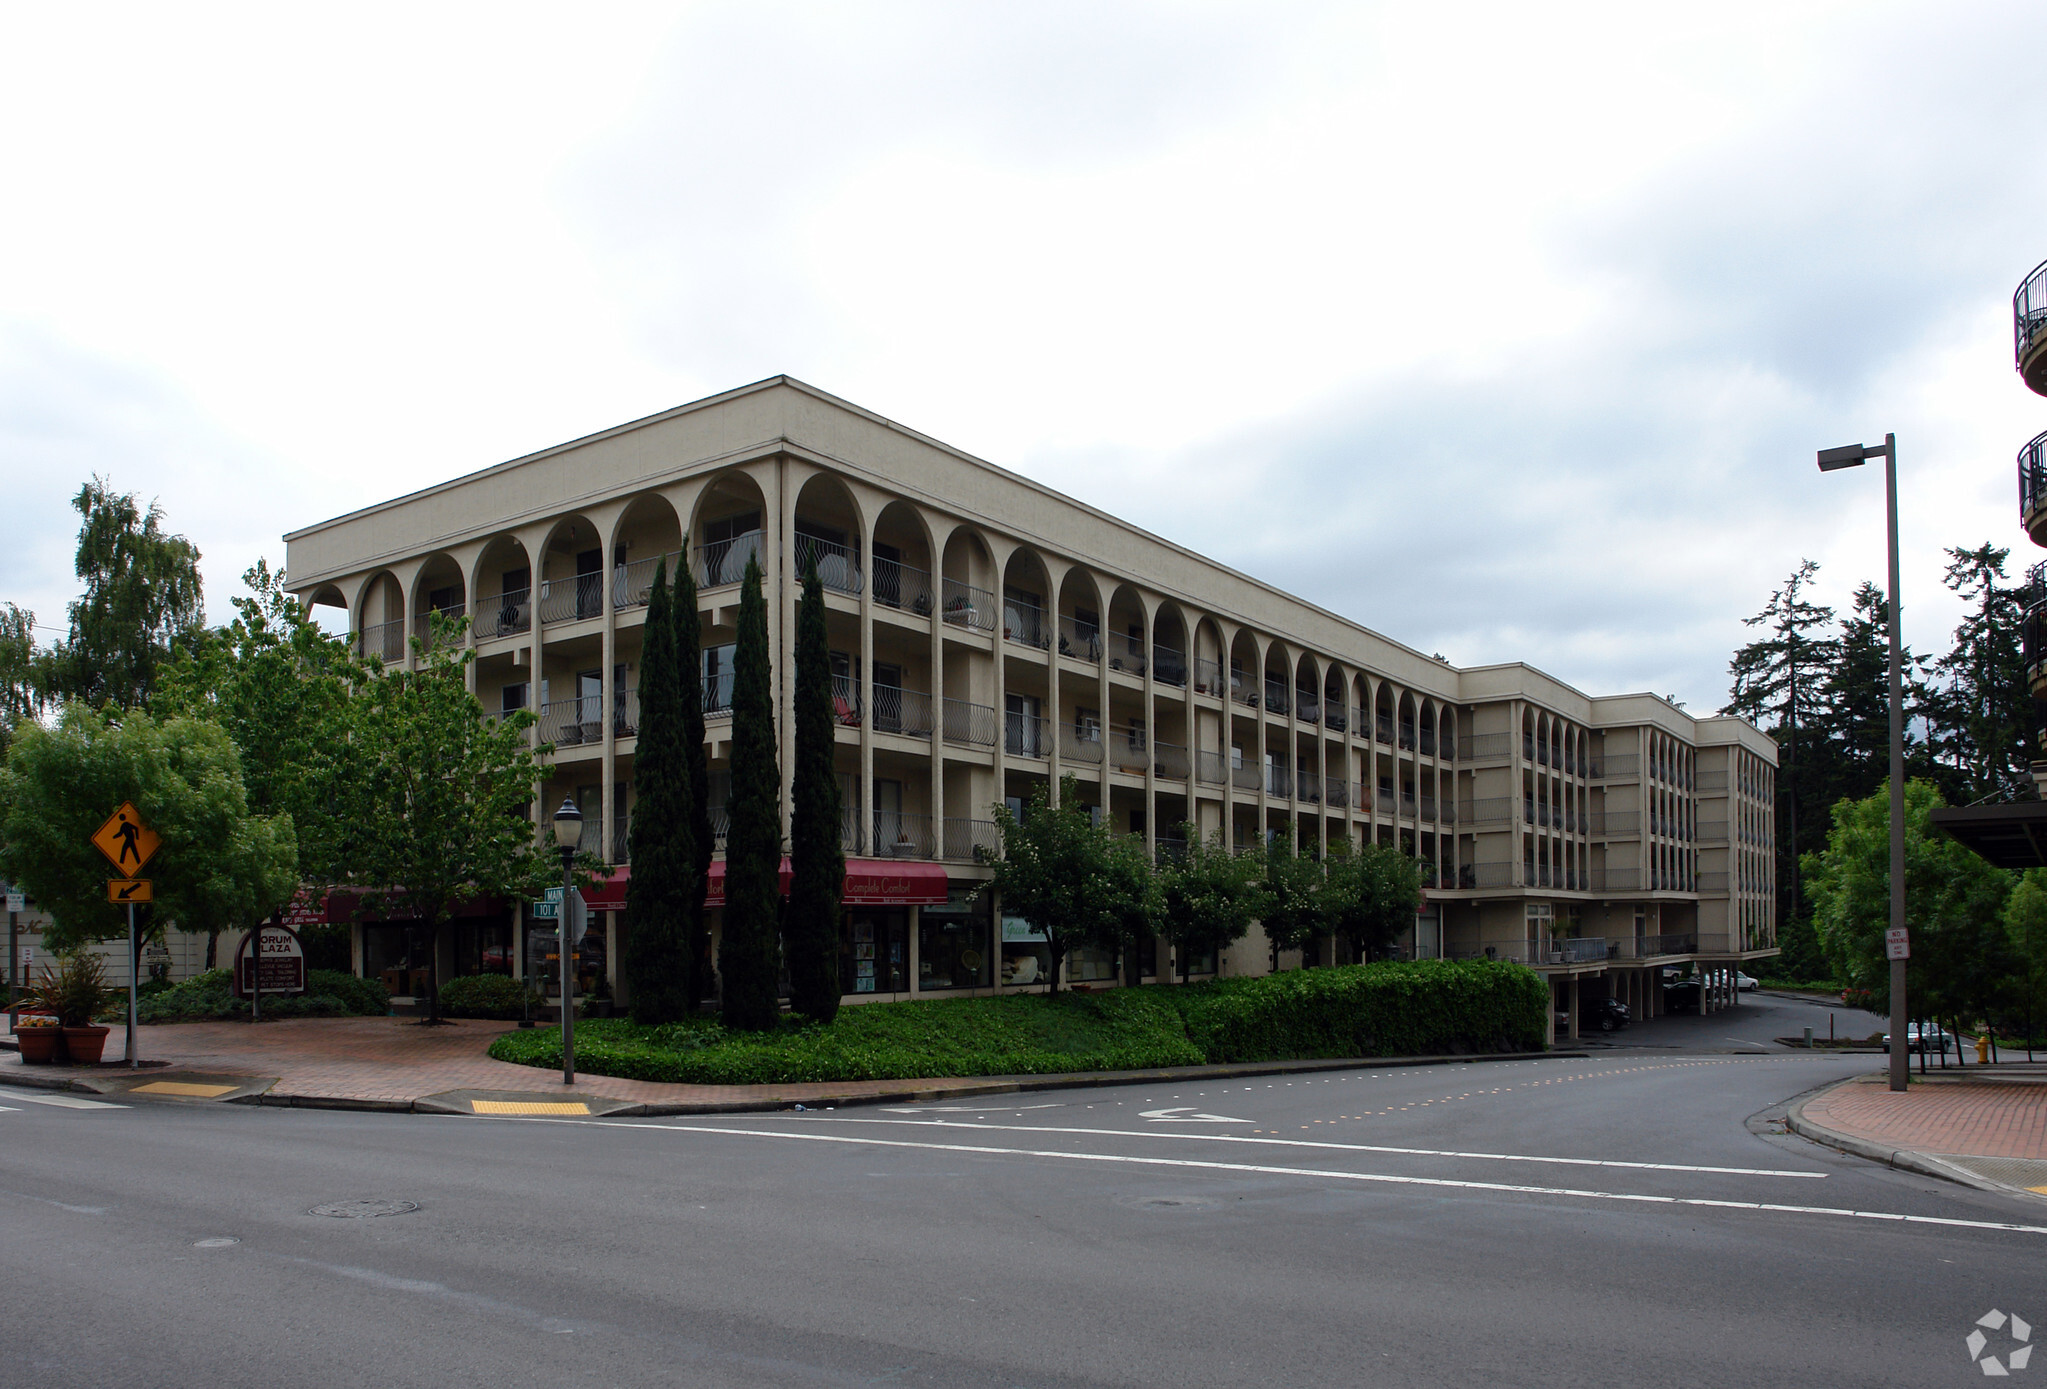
(1853, 456)
(568, 833)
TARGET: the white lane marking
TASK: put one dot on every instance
(1263, 1170)
(967, 1108)
(1184, 1114)
(8, 1092)
(1349, 1147)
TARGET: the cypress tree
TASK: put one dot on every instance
(663, 856)
(689, 665)
(751, 957)
(817, 860)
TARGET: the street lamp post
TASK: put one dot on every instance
(568, 833)
(1853, 456)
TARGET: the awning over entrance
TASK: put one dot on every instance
(2010, 836)
(869, 883)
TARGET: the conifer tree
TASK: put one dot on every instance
(751, 958)
(817, 861)
(663, 851)
(689, 665)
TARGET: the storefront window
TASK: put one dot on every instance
(952, 943)
(1147, 951)
(874, 952)
(1201, 962)
(393, 953)
(483, 947)
(1026, 954)
(1087, 964)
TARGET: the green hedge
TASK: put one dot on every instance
(1426, 1008)
(209, 997)
(485, 996)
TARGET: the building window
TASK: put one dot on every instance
(952, 943)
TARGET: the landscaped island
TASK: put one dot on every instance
(1423, 1008)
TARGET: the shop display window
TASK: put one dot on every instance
(874, 952)
(1026, 954)
(1087, 964)
(953, 943)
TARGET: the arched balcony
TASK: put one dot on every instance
(2029, 329)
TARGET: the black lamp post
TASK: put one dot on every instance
(568, 833)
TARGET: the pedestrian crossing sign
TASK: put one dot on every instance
(127, 842)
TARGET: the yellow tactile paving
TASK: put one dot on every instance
(529, 1107)
(181, 1087)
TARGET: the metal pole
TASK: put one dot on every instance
(14, 970)
(568, 972)
(133, 1062)
(1901, 1070)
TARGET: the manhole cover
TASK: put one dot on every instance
(363, 1210)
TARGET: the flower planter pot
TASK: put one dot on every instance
(85, 1044)
(39, 1045)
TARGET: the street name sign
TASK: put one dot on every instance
(1897, 944)
(127, 842)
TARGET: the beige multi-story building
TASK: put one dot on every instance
(991, 635)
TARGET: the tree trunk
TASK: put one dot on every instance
(212, 947)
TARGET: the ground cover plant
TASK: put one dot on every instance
(1429, 1007)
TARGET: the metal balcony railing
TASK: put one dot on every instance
(1335, 718)
(383, 640)
(2033, 628)
(1512, 954)
(573, 722)
(849, 829)
(904, 586)
(1025, 624)
(1080, 640)
(2029, 320)
(1579, 950)
(899, 834)
(969, 725)
(2033, 477)
(1208, 676)
(1127, 655)
(846, 701)
(504, 614)
(1276, 698)
(1428, 742)
(1169, 761)
(962, 838)
(1712, 781)
(1491, 810)
(1713, 882)
(1385, 802)
(1712, 831)
(572, 599)
(631, 583)
(1382, 729)
(423, 624)
(1242, 690)
(718, 696)
(1168, 667)
(1481, 875)
(1619, 879)
(625, 713)
(723, 562)
(1026, 735)
(838, 566)
(901, 711)
(968, 606)
(1335, 792)
(1211, 768)
(1620, 766)
(1614, 824)
(1245, 778)
(1080, 745)
(622, 840)
(1407, 737)
(1278, 784)
(1485, 747)
(1669, 943)
(1307, 706)
(1429, 809)
(1307, 786)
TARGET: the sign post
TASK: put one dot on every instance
(128, 842)
(14, 906)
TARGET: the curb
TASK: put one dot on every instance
(1900, 1159)
(924, 1091)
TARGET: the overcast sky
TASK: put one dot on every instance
(1509, 332)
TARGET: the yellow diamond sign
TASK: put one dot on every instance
(126, 841)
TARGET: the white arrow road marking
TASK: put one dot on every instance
(1185, 1115)
(8, 1092)
(1260, 1169)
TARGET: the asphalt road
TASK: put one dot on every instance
(1635, 1218)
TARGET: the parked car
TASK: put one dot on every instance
(1745, 982)
(1918, 1038)
(1606, 1014)
(1681, 997)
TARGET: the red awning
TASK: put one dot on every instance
(869, 883)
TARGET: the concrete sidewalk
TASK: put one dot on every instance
(1984, 1127)
(396, 1065)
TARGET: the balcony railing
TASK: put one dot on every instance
(1245, 778)
(384, 640)
(899, 585)
(723, 562)
(1492, 810)
(423, 624)
(572, 599)
(1026, 735)
(1669, 943)
(846, 701)
(964, 837)
(1208, 676)
(1078, 745)
(625, 713)
(1169, 760)
(2029, 326)
(1080, 640)
(1429, 809)
(1382, 729)
(969, 607)
(1620, 766)
(1712, 882)
(900, 711)
(718, 696)
(2033, 630)
(1618, 879)
(1335, 792)
(899, 834)
(969, 725)
(1307, 706)
(1712, 781)
(1484, 747)
(1385, 802)
(1407, 737)
(1278, 784)
(1712, 831)
(1307, 786)
(1334, 716)
(1211, 768)
(1483, 875)
(1614, 824)
(1025, 624)
(1276, 698)
(1242, 690)
(849, 829)
(2033, 478)
(838, 566)
(504, 614)
(1126, 655)
(1168, 667)
(632, 583)
(573, 722)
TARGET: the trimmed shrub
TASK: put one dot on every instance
(485, 996)
(366, 998)
(209, 997)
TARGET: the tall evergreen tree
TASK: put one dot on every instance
(817, 861)
(1982, 719)
(1854, 722)
(689, 665)
(751, 958)
(660, 971)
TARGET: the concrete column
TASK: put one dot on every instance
(1574, 1007)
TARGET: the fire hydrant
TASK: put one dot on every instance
(1983, 1050)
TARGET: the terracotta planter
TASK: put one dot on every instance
(85, 1044)
(39, 1045)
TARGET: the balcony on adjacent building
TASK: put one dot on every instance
(2033, 630)
(504, 614)
(838, 565)
(383, 640)
(718, 696)
(632, 584)
(723, 562)
(2029, 329)
(1208, 676)
(904, 712)
(969, 725)
(900, 585)
(969, 606)
(1080, 639)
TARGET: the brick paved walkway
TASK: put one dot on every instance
(2004, 1118)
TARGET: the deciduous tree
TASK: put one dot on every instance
(142, 597)
(1210, 895)
(1370, 896)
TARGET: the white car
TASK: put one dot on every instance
(1744, 982)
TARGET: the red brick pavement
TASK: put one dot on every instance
(1961, 1117)
(394, 1060)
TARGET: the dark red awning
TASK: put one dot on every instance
(869, 883)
